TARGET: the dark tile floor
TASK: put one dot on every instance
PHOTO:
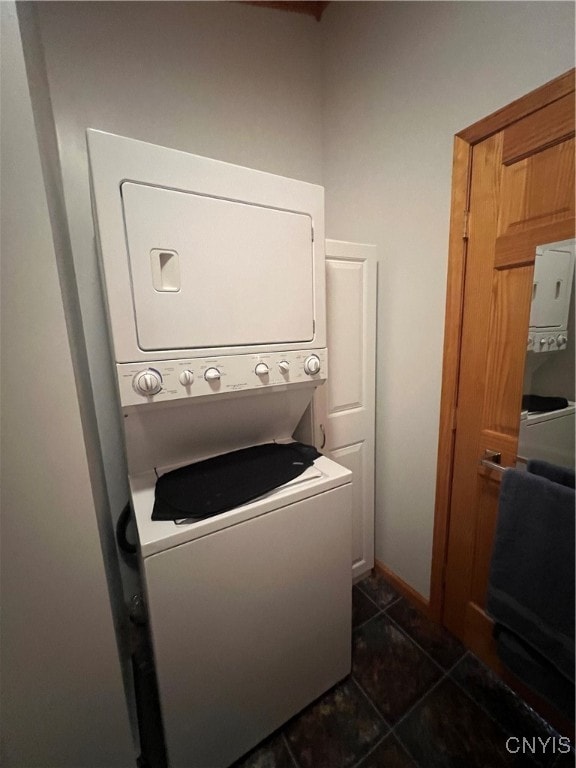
(415, 699)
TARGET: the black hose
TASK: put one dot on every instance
(121, 530)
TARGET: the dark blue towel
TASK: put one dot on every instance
(531, 584)
(561, 475)
(535, 671)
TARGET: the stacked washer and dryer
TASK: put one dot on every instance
(548, 435)
(215, 288)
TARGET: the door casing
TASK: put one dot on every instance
(464, 142)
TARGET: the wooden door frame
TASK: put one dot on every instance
(464, 142)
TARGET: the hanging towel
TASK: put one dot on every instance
(561, 475)
(216, 485)
(531, 583)
(535, 670)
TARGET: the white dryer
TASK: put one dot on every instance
(214, 280)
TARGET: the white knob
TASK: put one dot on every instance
(551, 341)
(561, 339)
(212, 374)
(284, 366)
(530, 341)
(312, 365)
(186, 378)
(542, 342)
(261, 369)
(147, 382)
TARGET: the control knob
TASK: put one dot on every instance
(561, 339)
(261, 369)
(147, 382)
(312, 365)
(186, 378)
(284, 366)
(212, 374)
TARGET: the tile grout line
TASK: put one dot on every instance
(374, 748)
(487, 712)
(394, 599)
(443, 677)
(453, 666)
(369, 700)
(290, 753)
(417, 702)
(378, 713)
(445, 672)
(354, 629)
(359, 626)
(407, 713)
(393, 731)
(392, 603)
(425, 652)
(412, 757)
(378, 613)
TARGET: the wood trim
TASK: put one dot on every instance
(522, 107)
(452, 336)
(539, 131)
(519, 250)
(403, 588)
(310, 8)
(461, 170)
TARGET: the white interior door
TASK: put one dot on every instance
(344, 408)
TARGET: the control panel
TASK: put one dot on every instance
(205, 376)
(546, 341)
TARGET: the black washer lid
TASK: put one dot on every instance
(215, 485)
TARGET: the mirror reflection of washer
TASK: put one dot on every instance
(250, 609)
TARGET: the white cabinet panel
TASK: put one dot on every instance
(352, 457)
(344, 408)
(345, 314)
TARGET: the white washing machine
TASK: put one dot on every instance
(250, 612)
(214, 280)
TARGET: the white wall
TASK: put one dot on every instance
(62, 694)
(217, 79)
(400, 80)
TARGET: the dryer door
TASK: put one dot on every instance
(209, 272)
